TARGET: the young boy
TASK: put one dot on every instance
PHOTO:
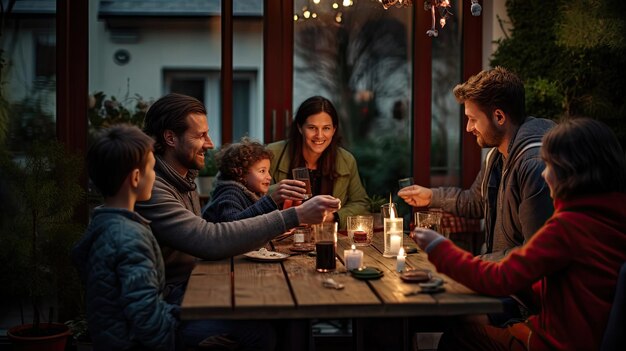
(118, 258)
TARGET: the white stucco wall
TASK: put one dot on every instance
(494, 12)
(191, 45)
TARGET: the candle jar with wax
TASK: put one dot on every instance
(400, 260)
(392, 230)
(353, 258)
(360, 230)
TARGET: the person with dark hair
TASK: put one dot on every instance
(508, 192)
(314, 142)
(118, 258)
(243, 182)
(573, 260)
(178, 123)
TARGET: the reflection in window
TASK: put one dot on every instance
(445, 153)
(205, 86)
(28, 74)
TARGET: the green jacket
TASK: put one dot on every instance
(348, 187)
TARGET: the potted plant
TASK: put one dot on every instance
(80, 333)
(41, 189)
(206, 176)
(375, 201)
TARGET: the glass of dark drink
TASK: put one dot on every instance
(302, 174)
(325, 246)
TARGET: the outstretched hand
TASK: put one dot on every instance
(315, 210)
(288, 189)
(423, 237)
(416, 196)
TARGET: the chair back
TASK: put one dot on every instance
(615, 333)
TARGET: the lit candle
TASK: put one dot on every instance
(396, 242)
(359, 235)
(353, 257)
(400, 260)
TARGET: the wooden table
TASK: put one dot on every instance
(241, 289)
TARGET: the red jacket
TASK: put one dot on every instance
(577, 253)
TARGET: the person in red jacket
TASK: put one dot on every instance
(572, 262)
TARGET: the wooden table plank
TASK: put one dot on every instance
(208, 290)
(308, 290)
(292, 289)
(260, 284)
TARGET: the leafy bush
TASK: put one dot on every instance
(105, 112)
(571, 58)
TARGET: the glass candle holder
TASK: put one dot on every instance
(360, 230)
(392, 231)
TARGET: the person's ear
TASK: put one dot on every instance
(499, 117)
(134, 177)
(300, 130)
(170, 138)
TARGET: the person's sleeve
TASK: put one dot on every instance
(176, 227)
(356, 197)
(227, 209)
(536, 205)
(151, 320)
(465, 203)
(549, 250)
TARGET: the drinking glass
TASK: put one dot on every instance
(302, 237)
(387, 209)
(302, 174)
(429, 220)
(404, 182)
(325, 246)
(360, 229)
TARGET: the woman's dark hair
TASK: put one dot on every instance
(234, 160)
(586, 158)
(170, 113)
(312, 106)
(115, 153)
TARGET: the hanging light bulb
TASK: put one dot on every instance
(338, 17)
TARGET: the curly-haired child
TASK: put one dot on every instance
(243, 183)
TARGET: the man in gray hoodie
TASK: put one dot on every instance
(178, 123)
(509, 192)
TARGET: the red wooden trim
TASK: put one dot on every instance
(472, 64)
(72, 25)
(422, 87)
(72, 74)
(226, 80)
(272, 74)
(287, 68)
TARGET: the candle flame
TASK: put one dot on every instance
(400, 253)
(353, 247)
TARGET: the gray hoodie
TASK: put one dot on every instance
(185, 237)
(509, 194)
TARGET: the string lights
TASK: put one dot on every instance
(438, 8)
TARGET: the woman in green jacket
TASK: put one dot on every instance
(314, 143)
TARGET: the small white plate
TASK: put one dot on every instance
(266, 256)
